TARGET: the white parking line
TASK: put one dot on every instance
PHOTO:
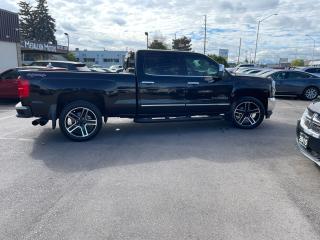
(2, 118)
(18, 139)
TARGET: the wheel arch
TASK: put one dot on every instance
(66, 98)
(310, 86)
(260, 94)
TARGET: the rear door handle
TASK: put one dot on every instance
(147, 82)
(193, 83)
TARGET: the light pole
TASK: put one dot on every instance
(68, 40)
(314, 45)
(147, 34)
(259, 22)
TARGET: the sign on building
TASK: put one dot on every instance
(283, 60)
(44, 47)
(224, 53)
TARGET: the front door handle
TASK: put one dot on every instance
(147, 82)
(193, 83)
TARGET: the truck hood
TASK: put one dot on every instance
(315, 106)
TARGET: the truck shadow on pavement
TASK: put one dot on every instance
(8, 102)
(126, 143)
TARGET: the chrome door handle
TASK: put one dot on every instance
(147, 82)
(193, 83)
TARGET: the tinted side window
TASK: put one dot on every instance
(162, 64)
(311, 70)
(41, 64)
(197, 65)
(298, 75)
(279, 75)
(64, 65)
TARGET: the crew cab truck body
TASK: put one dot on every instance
(166, 86)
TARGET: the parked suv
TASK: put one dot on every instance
(308, 132)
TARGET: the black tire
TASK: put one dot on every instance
(310, 93)
(247, 113)
(80, 121)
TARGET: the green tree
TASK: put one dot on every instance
(71, 57)
(44, 24)
(219, 59)
(297, 63)
(182, 44)
(157, 44)
(26, 21)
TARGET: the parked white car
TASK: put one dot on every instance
(116, 68)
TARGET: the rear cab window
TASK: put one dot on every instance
(162, 63)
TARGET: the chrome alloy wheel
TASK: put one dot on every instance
(247, 113)
(311, 93)
(80, 122)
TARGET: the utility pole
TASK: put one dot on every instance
(239, 50)
(205, 34)
(68, 40)
(257, 39)
(314, 45)
(147, 34)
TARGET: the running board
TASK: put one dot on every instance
(177, 119)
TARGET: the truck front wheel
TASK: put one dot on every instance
(247, 113)
(80, 121)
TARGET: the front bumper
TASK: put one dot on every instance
(271, 106)
(23, 111)
(313, 150)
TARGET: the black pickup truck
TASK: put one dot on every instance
(165, 86)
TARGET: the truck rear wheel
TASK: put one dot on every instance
(247, 113)
(80, 121)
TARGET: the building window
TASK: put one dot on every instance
(89, 59)
(111, 60)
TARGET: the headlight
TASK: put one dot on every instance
(306, 117)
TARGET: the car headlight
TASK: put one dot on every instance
(306, 118)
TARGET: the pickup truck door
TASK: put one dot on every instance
(161, 85)
(9, 84)
(207, 93)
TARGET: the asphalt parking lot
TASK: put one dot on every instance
(193, 180)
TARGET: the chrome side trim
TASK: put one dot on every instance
(208, 104)
(182, 105)
(193, 83)
(178, 76)
(162, 105)
(307, 154)
(147, 82)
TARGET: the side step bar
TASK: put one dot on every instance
(177, 119)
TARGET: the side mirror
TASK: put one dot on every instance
(221, 70)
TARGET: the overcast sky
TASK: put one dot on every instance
(120, 25)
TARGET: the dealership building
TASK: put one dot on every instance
(34, 51)
(102, 58)
(10, 50)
